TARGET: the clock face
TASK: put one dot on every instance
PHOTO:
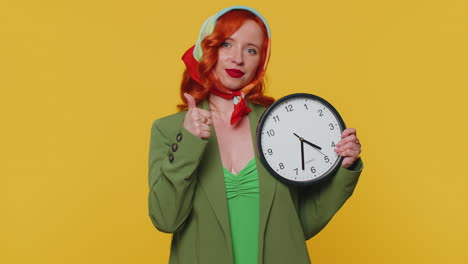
(296, 138)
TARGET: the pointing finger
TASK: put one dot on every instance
(190, 101)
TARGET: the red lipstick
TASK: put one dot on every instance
(235, 73)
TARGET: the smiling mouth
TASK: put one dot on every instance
(235, 73)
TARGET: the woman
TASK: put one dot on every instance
(207, 185)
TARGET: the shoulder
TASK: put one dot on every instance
(257, 108)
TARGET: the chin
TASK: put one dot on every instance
(232, 86)
(235, 85)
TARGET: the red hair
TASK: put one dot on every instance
(226, 25)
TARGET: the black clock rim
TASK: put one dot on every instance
(328, 173)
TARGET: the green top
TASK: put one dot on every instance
(242, 192)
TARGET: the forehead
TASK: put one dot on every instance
(249, 33)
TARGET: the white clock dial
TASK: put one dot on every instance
(297, 136)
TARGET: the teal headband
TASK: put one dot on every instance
(210, 23)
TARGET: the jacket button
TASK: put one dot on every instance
(179, 137)
(171, 158)
(175, 147)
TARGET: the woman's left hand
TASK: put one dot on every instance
(349, 147)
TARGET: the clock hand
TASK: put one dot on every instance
(317, 148)
(298, 137)
(302, 153)
(312, 144)
(302, 149)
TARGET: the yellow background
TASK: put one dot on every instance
(82, 81)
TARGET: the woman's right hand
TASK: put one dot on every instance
(197, 121)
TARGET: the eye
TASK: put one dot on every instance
(225, 44)
(252, 51)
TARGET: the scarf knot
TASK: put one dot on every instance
(240, 106)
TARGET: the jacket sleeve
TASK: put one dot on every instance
(173, 160)
(318, 203)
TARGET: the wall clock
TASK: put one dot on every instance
(296, 138)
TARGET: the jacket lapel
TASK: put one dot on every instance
(266, 181)
(211, 179)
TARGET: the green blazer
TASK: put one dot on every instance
(187, 197)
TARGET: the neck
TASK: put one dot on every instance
(221, 105)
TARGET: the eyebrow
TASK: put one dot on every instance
(249, 44)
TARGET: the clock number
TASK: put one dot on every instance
(306, 107)
(289, 108)
(281, 166)
(326, 159)
(271, 133)
(320, 112)
(313, 170)
(276, 118)
(331, 126)
(333, 144)
(297, 170)
(270, 152)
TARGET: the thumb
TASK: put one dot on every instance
(190, 101)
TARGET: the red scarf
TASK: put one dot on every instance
(240, 106)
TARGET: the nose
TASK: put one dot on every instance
(237, 56)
